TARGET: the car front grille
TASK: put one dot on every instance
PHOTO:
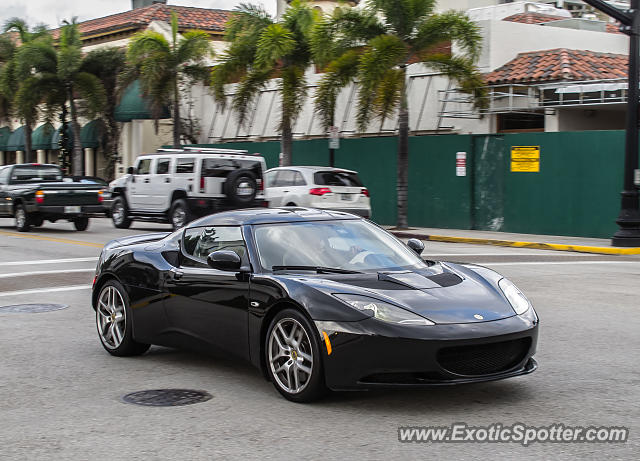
(484, 359)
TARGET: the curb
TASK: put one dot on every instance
(515, 244)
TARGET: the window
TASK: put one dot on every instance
(513, 123)
(337, 178)
(270, 178)
(185, 165)
(221, 167)
(4, 175)
(200, 242)
(35, 173)
(144, 166)
(285, 178)
(162, 167)
(298, 180)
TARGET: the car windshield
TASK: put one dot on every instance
(37, 173)
(351, 245)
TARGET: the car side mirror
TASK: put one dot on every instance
(131, 170)
(224, 260)
(416, 245)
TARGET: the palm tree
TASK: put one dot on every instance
(107, 64)
(261, 49)
(162, 66)
(24, 107)
(373, 46)
(54, 76)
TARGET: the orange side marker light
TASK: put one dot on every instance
(327, 342)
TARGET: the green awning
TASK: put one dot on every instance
(133, 106)
(5, 132)
(93, 134)
(55, 138)
(16, 140)
(41, 137)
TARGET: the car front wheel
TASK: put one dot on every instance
(119, 214)
(293, 357)
(113, 319)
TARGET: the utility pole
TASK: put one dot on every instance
(628, 235)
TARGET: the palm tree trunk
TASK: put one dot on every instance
(403, 157)
(28, 150)
(286, 141)
(111, 147)
(176, 115)
(77, 156)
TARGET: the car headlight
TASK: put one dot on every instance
(517, 299)
(383, 311)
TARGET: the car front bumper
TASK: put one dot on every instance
(373, 354)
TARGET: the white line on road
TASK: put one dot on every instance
(45, 290)
(24, 274)
(47, 261)
(540, 263)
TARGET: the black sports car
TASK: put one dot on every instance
(316, 300)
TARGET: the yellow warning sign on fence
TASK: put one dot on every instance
(525, 159)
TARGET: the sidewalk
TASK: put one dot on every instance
(539, 242)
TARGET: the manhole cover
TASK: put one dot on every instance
(166, 397)
(33, 308)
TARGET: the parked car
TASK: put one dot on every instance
(33, 193)
(179, 185)
(314, 299)
(317, 187)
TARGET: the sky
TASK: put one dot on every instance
(53, 12)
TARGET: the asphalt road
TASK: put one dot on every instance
(61, 391)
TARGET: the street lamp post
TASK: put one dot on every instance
(628, 235)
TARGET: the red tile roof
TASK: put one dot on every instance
(560, 64)
(188, 18)
(533, 18)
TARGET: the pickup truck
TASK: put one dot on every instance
(32, 193)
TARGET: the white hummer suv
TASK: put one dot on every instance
(179, 185)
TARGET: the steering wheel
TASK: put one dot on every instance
(360, 257)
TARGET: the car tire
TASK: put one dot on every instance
(289, 354)
(180, 214)
(119, 214)
(241, 187)
(81, 224)
(113, 321)
(23, 220)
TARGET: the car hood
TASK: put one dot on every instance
(443, 293)
(136, 239)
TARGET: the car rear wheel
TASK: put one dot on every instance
(293, 357)
(113, 319)
(81, 224)
(119, 214)
(180, 214)
(23, 220)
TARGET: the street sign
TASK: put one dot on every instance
(461, 163)
(334, 137)
(525, 159)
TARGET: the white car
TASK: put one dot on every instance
(317, 187)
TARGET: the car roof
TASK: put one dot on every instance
(312, 168)
(252, 216)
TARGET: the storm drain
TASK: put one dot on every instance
(33, 308)
(166, 397)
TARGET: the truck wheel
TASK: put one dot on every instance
(37, 221)
(23, 220)
(180, 215)
(119, 214)
(81, 224)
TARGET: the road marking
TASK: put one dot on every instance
(24, 274)
(47, 261)
(539, 263)
(45, 290)
(52, 239)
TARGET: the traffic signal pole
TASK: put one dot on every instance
(628, 234)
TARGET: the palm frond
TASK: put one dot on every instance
(92, 91)
(449, 26)
(194, 46)
(247, 90)
(293, 91)
(275, 42)
(246, 20)
(462, 70)
(38, 56)
(388, 93)
(148, 43)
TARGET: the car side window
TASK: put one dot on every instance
(162, 165)
(4, 176)
(270, 179)
(286, 178)
(185, 165)
(298, 179)
(144, 166)
(200, 242)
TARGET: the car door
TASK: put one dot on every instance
(209, 306)
(140, 187)
(281, 188)
(5, 204)
(160, 185)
